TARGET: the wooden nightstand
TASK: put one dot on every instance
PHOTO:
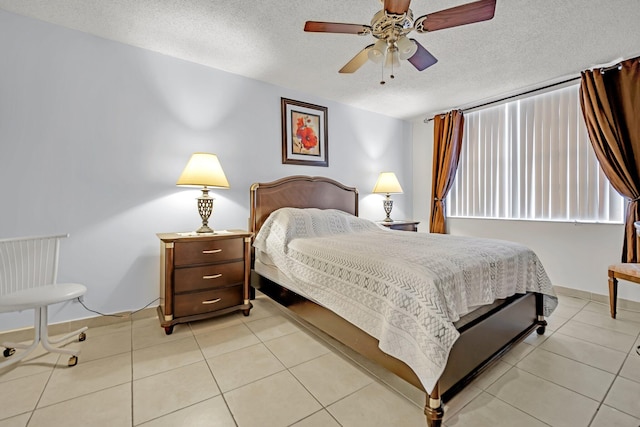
(202, 276)
(404, 225)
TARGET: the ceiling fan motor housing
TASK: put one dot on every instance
(391, 27)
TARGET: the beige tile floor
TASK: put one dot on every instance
(269, 370)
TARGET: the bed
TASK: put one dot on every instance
(447, 343)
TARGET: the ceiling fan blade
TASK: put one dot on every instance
(422, 59)
(336, 27)
(469, 13)
(396, 7)
(357, 61)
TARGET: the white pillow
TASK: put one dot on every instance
(287, 224)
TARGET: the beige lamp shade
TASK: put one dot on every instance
(203, 170)
(387, 183)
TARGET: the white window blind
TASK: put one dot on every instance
(531, 159)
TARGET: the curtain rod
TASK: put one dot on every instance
(506, 98)
(603, 70)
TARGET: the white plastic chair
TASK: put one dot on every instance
(28, 272)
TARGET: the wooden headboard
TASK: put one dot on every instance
(299, 191)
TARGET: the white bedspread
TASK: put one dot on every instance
(405, 289)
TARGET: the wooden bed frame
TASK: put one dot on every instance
(485, 334)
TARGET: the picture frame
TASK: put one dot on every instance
(304, 133)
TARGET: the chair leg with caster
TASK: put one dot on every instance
(73, 361)
(47, 343)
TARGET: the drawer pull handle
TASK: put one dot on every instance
(212, 301)
(211, 251)
(213, 276)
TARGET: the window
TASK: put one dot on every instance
(531, 159)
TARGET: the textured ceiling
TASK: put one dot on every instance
(527, 44)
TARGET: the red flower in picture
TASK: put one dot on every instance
(305, 134)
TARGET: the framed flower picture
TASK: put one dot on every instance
(304, 133)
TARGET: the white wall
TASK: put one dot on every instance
(94, 134)
(574, 255)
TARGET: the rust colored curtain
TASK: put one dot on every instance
(447, 141)
(610, 102)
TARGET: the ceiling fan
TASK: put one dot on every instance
(391, 25)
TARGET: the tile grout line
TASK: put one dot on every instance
(312, 330)
(510, 368)
(588, 342)
(288, 369)
(224, 399)
(617, 375)
(332, 350)
(43, 389)
(173, 369)
(600, 403)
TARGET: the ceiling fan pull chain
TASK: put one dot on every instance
(382, 73)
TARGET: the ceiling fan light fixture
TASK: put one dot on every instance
(406, 48)
(392, 60)
(377, 52)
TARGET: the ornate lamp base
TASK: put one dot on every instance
(388, 205)
(205, 208)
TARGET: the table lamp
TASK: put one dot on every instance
(387, 183)
(204, 170)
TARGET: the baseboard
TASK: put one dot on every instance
(26, 334)
(624, 304)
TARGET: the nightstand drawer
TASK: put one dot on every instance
(203, 302)
(207, 251)
(208, 276)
